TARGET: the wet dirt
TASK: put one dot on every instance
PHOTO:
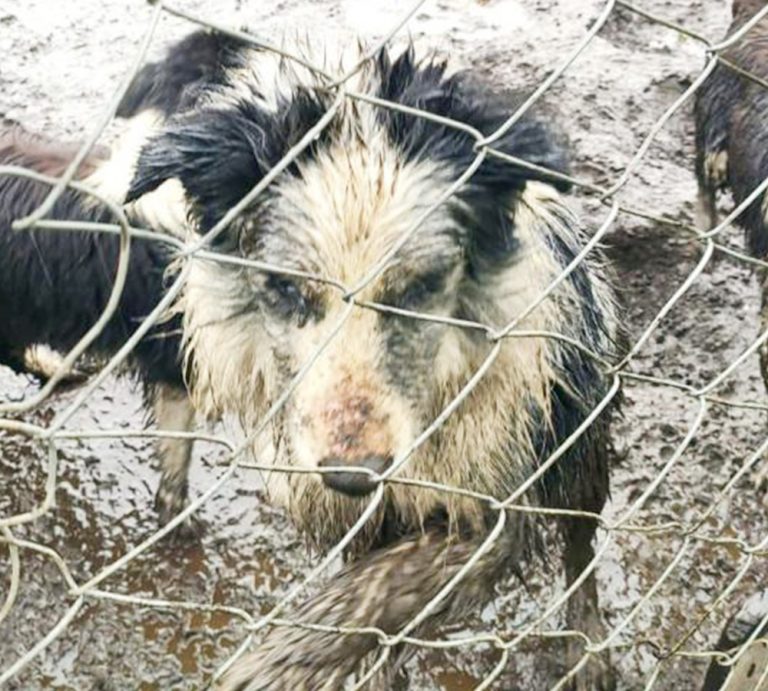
(61, 62)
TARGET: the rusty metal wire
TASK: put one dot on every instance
(685, 534)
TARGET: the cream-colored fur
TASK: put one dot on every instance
(113, 177)
(345, 211)
(336, 216)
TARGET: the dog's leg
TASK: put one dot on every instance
(173, 412)
(706, 209)
(760, 475)
(583, 613)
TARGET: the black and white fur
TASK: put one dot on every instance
(484, 255)
(54, 285)
(731, 114)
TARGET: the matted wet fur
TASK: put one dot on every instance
(732, 145)
(485, 255)
(55, 284)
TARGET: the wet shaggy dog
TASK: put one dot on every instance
(731, 114)
(55, 285)
(484, 255)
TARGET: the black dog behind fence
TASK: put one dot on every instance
(697, 532)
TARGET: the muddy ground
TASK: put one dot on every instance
(62, 60)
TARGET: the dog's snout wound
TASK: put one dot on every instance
(354, 483)
(356, 435)
(348, 419)
(359, 437)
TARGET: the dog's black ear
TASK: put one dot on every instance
(531, 138)
(220, 153)
(173, 83)
(157, 163)
(466, 98)
(493, 195)
(216, 154)
(139, 95)
(494, 192)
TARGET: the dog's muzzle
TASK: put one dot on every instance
(354, 484)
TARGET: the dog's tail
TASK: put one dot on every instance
(382, 592)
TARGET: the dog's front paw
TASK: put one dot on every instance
(43, 362)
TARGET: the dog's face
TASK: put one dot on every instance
(374, 385)
(381, 377)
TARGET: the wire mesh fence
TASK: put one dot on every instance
(698, 533)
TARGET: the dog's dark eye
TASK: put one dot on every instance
(287, 299)
(420, 290)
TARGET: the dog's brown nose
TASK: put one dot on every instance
(355, 484)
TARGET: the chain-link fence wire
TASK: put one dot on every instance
(686, 533)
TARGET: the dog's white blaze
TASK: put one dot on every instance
(164, 209)
(270, 80)
(113, 177)
(353, 203)
(350, 366)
